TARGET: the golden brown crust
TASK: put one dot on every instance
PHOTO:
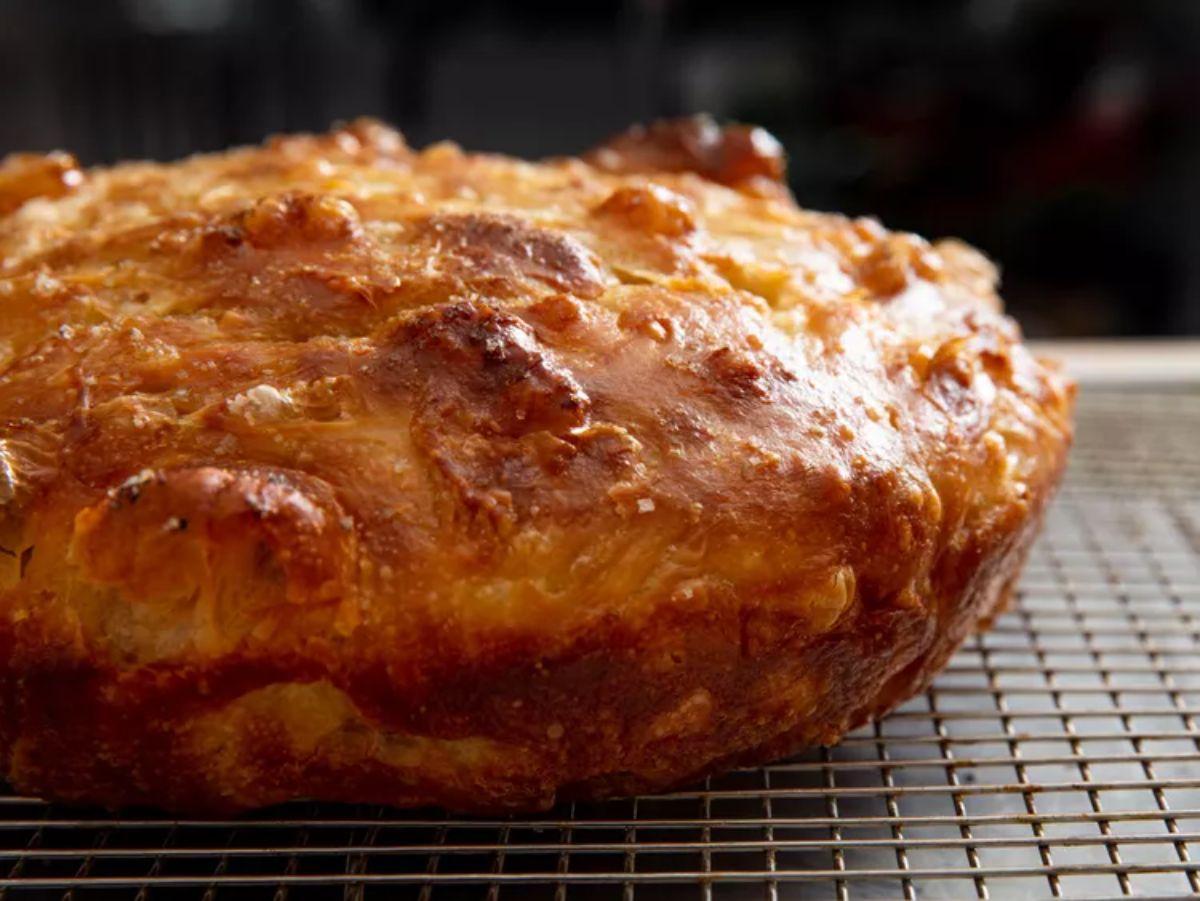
(337, 469)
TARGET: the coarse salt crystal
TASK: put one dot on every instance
(262, 403)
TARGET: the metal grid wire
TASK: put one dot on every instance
(1057, 756)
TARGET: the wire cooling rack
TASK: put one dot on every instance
(1057, 756)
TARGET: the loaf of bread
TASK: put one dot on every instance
(336, 469)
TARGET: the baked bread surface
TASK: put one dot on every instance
(336, 469)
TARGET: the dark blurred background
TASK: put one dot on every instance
(1061, 136)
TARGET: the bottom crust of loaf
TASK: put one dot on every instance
(618, 718)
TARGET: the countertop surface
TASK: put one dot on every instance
(1137, 361)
